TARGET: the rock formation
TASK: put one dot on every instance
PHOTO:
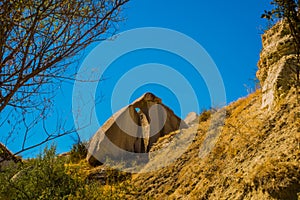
(133, 129)
(276, 64)
(191, 118)
(7, 158)
(257, 153)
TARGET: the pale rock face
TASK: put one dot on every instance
(134, 128)
(276, 64)
(190, 118)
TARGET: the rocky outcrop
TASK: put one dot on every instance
(7, 158)
(134, 129)
(276, 64)
(256, 154)
(191, 118)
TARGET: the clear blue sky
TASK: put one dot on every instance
(230, 31)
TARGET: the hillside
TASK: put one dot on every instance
(257, 156)
(257, 149)
(249, 149)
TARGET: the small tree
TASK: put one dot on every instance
(39, 40)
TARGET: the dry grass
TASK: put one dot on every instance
(256, 156)
(252, 154)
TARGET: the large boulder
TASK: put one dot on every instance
(133, 129)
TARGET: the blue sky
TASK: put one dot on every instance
(230, 32)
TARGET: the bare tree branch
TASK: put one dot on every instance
(39, 41)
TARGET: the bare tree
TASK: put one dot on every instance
(39, 41)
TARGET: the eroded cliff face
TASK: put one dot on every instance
(276, 65)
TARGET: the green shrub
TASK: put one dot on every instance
(78, 151)
(97, 191)
(49, 177)
(41, 178)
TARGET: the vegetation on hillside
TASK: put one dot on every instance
(241, 151)
(256, 156)
(52, 177)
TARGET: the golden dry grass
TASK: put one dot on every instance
(256, 156)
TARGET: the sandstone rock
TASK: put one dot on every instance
(276, 64)
(133, 129)
(191, 118)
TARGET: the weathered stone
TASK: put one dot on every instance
(191, 118)
(134, 128)
(276, 64)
